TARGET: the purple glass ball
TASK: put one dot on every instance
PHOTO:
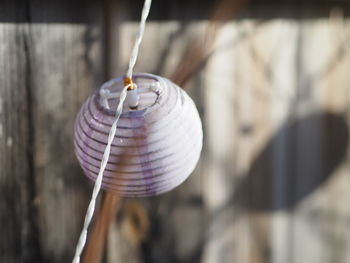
(157, 145)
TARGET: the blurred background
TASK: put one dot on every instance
(271, 82)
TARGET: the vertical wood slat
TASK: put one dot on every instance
(66, 59)
(19, 240)
(62, 80)
(48, 69)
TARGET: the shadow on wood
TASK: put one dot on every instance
(296, 161)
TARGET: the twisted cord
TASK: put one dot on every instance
(135, 50)
(98, 183)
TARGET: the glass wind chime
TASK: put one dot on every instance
(138, 135)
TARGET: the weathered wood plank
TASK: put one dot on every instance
(273, 132)
(66, 66)
(18, 226)
(272, 185)
(48, 70)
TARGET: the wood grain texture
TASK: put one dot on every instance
(276, 135)
(48, 70)
(19, 229)
(273, 182)
(67, 63)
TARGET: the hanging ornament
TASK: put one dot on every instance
(158, 140)
(145, 147)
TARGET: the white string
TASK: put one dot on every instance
(98, 183)
(135, 50)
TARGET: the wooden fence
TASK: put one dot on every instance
(273, 181)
